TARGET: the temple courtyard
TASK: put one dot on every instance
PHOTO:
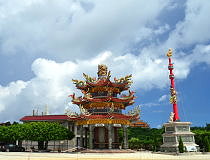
(100, 156)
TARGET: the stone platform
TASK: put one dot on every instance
(173, 132)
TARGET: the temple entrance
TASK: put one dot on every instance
(101, 138)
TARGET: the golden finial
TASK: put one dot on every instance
(102, 70)
(169, 53)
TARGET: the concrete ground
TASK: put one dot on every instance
(100, 156)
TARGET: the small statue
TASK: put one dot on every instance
(111, 109)
(102, 70)
(171, 118)
(135, 111)
(84, 111)
(109, 94)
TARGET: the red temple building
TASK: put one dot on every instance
(101, 109)
(100, 119)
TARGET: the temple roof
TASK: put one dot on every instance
(124, 85)
(66, 117)
(46, 118)
(110, 116)
(124, 99)
(103, 80)
(140, 123)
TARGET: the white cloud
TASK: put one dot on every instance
(9, 94)
(163, 98)
(194, 28)
(64, 29)
(150, 104)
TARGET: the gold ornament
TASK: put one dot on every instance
(169, 53)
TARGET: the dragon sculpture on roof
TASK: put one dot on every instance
(126, 79)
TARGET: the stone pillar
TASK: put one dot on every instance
(110, 135)
(86, 137)
(81, 136)
(75, 133)
(125, 137)
(90, 136)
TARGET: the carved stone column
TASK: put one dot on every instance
(125, 137)
(75, 133)
(90, 136)
(81, 136)
(110, 135)
(86, 137)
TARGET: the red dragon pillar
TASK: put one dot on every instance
(173, 98)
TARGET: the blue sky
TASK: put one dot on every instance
(44, 44)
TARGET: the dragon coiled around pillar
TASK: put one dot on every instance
(173, 98)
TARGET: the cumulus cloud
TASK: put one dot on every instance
(194, 28)
(8, 94)
(75, 29)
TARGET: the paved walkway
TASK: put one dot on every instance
(98, 156)
(108, 151)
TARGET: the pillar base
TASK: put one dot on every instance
(173, 132)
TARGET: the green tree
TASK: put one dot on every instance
(4, 133)
(200, 134)
(208, 127)
(35, 131)
(181, 145)
(134, 143)
(150, 138)
(46, 131)
(155, 144)
(206, 144)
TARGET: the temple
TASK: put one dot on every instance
(100, 119)
(101, 109)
